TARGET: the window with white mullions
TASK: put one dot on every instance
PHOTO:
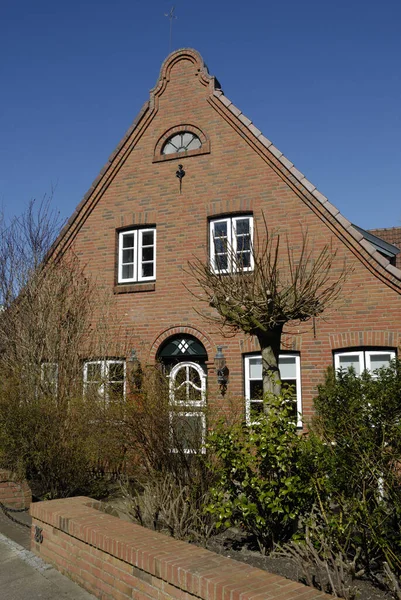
(105, 379)
(361, 360)
(290, 371)
(231, 244)
(137, 255)
(187, 404)
(181, 142)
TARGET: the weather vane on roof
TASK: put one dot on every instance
(171, 16)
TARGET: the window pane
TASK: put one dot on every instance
(116, 371)
(128, 256)
(256, 408)
(243, 242)
(93, 372)
(242, 226)
(347, 362)
(293, 388)
(255, 368)
(243, 260)
(287, 366)
(220, 245)
(221, 262)
(256, 389)
(220, 229)
(115, 391)
(128, 240)
(147, 238)
(195, 144)
(187, 431)
(169, 148)
(147, 269)
(187, 138)
(128, 271)
(377, 361)
(194, 377)
(147, 253)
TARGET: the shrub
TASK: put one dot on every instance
(264, 483)
(356, 444)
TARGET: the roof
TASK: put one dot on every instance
(380, 244)
(364, 248)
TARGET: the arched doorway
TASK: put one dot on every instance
(184, 360)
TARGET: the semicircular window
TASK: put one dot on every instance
(181, 142)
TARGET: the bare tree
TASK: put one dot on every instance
(284, 286)
(24, 241)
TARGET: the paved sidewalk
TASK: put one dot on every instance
(24, 576)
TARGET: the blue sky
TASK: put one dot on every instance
(321, 79)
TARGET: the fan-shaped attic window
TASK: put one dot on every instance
(181, 142)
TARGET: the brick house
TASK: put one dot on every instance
(136, 230)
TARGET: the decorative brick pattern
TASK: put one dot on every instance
(116, 560)
(13, 492)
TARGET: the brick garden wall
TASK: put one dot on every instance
(116, 560)
(14, 493)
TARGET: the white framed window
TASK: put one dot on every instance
(137, 255)
(182, 142)
(290, 371)
(105, 379)
(49, 377)
(231, 244)
(187, 386)
(361, 360)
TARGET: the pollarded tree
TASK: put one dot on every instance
(284, 286)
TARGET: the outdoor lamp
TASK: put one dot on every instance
(135, 369)
(221, 369)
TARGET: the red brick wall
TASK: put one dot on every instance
(14, 493)
(236, 174)
(119, 561)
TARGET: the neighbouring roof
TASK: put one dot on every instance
(379, 243)
(359, 237)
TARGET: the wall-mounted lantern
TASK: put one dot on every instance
(221, 370)
(135, 370)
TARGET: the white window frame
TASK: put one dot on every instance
(231, 243)
(138, 260)
(104, 374)
(364, 357)
(297, 379)
(198, 404)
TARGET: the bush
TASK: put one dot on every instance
(356, 445)
(264, 482)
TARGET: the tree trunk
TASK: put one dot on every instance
(270, 347)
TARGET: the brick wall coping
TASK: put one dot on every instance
(188, 571)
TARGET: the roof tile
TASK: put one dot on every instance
(344, 222)
(297, 173)
(244, 119)
(236, 111)
(309, 186)
(262, 138)
(319, 196)
(254, 130)
(287, 163)
(368, 246)
(225, 100)
(275, 151)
